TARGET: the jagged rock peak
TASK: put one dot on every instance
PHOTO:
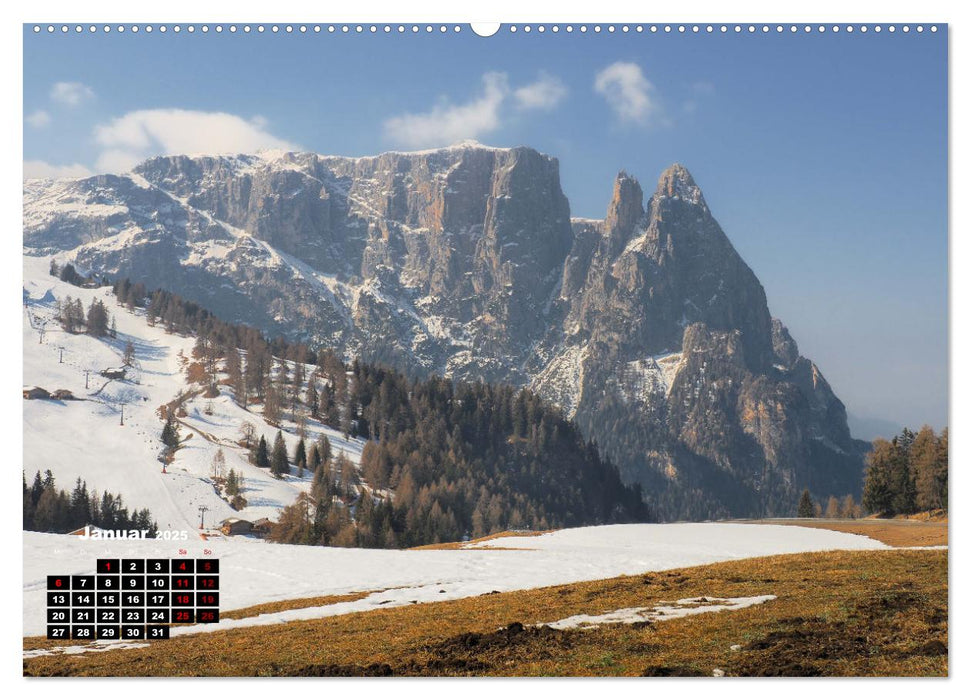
(626, 206)
(783, 346)
(676, 183)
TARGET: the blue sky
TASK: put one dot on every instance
(823, 156)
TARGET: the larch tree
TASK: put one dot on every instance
(234, 372)
(128, 359)
(848, 508)
(930, 469)
(832, 508)
(271, 402)
(218, 470)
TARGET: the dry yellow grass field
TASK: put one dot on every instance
(896, 532)
(866, 613)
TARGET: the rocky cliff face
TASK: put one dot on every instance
(646, 326)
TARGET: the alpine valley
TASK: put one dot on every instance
(646, 327)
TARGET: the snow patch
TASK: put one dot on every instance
(653, 375)
(253, 572)
(561, 381)
(686, 607)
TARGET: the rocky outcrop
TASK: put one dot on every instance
(646, 326)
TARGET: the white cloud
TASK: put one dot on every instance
(627, 91)
(547, 92)
(118, 161)
(448, 123)
(38, 119)
(71, 94)
(42, 169)
(135, 136)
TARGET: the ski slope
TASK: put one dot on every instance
(254, 572)
(86, 439)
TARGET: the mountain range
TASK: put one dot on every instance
(646, 327)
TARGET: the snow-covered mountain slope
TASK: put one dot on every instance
(254, 572)
(85, 438)
(647, 326)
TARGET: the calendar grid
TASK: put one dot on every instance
(133, 599)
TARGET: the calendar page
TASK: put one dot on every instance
(357, 349)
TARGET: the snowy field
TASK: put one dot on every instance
(254, 572)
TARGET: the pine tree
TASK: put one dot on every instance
(300, 457)
(279, 464)
(170, 433)
(806, 506)
(71, 314)
(80, 502)
(877, 489)
(905, 440)
(329, 410)
(97, 319)
(36, 489)
(902, 486)
(262, 458)
(313, 398)
(313, 461)
(70, 275)
(28, 505)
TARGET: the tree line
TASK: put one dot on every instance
(442, 460)
(907, 474)
(49, 509)
(96, 321)
(904, 475)
(460, 460)
(845, 507)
